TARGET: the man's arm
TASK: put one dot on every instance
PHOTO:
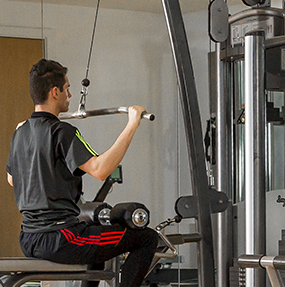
(9, 176)
(101, 167)
(10, 179)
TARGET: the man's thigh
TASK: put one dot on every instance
(90, 245)
(79, 244)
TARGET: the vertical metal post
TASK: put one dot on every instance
(255, 183)
(193, 130)
(223, 128)
(270, 151)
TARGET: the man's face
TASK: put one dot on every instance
(64, 96)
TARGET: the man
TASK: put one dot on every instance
(45, 167)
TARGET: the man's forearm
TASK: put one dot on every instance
(102, 166)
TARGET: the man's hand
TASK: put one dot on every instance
(135, 114)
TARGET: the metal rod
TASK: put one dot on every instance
(274, 277)
(255, 183)
(261, 261)
(194, 237)
(223, 128)
(82, 114)
(249, 261)
(155, 261)
(192, 124)
(168, 244)
(270, 263)
(92, 39)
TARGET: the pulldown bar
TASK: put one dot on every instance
(82, 113)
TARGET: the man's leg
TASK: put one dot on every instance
(141, 245)
(82, 244)
(139, 260)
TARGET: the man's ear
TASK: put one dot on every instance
(54, 92)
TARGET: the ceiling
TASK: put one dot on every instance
(152, 6)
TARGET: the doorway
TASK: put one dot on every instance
(17, 55)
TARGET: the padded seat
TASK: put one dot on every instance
(22, 264)
(22, 270)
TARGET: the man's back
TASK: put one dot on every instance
(46, 187)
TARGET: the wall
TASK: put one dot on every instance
(131, 64)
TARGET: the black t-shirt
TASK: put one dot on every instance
(44, 158)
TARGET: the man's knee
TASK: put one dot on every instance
(151, 237)
(142, 237)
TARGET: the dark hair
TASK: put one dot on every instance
(45, 75)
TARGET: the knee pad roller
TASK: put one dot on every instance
(131, 214)
(95, 213)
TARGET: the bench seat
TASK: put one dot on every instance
(22, 264)
(22, 270)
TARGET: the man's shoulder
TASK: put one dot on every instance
(63, 131)
(65, 126)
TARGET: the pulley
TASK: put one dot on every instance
(218, 20)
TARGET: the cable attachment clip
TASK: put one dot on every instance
(168, 244)
(84, 92)
(167, 222)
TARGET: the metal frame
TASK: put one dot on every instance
(192, 124)
(255, 121)
(223, 170)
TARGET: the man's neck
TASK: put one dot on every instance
(46, 108)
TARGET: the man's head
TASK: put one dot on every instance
(45, 75)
